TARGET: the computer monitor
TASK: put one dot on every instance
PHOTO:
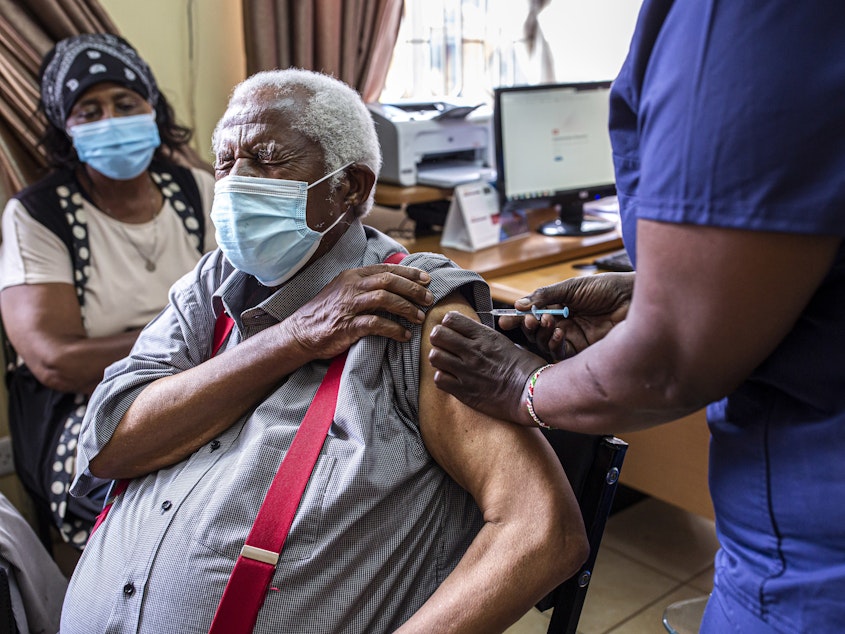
(553, 150)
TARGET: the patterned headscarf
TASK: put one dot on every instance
(77, 63)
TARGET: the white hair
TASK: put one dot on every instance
(334, 116)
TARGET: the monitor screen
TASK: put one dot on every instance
(553, 150)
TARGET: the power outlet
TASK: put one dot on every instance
(7, 463)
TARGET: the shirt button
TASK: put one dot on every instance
(166, 505)
(129, 589)
(215, 445)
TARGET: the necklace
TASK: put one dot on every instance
(148, 258)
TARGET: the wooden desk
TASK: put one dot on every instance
(520, 254)
(398, 196)
(668, 462)
(511, 287)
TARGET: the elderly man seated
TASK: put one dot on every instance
(420, 515)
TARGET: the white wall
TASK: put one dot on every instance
(589, 38)
(195, 49)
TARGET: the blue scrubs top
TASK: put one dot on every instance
(732, 114)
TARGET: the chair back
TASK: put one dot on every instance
(592, 463)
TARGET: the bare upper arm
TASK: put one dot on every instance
(502, 465)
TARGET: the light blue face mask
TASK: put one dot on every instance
(261, 225)
(118, 147)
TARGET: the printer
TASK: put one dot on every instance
(433, 143)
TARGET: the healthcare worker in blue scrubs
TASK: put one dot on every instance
(729, 145)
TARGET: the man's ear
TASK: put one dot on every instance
(361, 181)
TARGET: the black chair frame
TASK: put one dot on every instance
(593, 465)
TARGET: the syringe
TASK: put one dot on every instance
(536, 312)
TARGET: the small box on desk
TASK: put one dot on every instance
(474, 221)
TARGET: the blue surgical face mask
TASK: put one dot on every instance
(117, 147)
(261, 225)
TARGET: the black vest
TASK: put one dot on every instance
(56, 200)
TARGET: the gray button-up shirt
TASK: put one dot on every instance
(380, 524)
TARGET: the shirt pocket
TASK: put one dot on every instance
(225, 522)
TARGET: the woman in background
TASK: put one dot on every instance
(89, 253)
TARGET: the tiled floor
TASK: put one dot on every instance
(652, 554)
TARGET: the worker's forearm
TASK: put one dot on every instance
(619, 384)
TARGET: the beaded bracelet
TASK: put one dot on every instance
(529, 400)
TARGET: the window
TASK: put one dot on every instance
(456, 48)
(462, 49)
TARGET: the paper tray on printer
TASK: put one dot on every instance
(452, 173)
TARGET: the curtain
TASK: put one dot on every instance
(28, 29)
(350, 39)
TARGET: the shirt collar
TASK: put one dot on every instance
(241, 292)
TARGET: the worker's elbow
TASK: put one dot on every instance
(687, 390)
(682, 378)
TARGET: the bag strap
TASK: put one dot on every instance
(178, 183)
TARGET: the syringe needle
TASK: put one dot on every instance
(536, 312)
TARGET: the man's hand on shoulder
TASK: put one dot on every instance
(347, 308)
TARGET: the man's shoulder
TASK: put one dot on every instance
(380, 246)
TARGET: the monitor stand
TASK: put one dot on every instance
(571, 222)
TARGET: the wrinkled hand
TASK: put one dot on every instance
(596, 303)
(481, 367)
(346, 309)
